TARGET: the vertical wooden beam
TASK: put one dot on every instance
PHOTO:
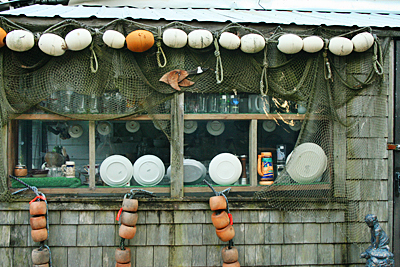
(253, 152)
(177, 121)
(92, 153)
(12, 147)
(391, 109)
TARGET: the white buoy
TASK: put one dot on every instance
(313, 44)
(290, 43)
(78, 39)
(340, 46)
(20, 40)
(363, 41)
(175, 38)
(252, 43)
(52, 44)
(114, 39)
(200, 39)
(229, 41)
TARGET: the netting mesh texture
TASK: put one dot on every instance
(127, 83)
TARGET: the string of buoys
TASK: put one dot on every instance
(223, 223)
(128, 217)
(142, 40)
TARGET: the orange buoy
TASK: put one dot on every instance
(38, 222)
(40, 256)
(127, 232)
(220, 220)
(229, 255)
(38, 208)
(130, 204)
(217, 203)
(123, 264)
(129, 218)
(123, 256)
(39, 235)
(226, 233)
(233, 264)
(139, 40)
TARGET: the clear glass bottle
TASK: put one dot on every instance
(94, 104)
(234, 104)
(223, 104)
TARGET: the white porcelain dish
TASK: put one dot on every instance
(306, 163)
(132, 126)
(189, 127)
(269, 126)
(225, 169)
(193, 171)
(104, 128)
(296, 126)
(148, 170)
(215, 127)
(116, 170)
(75, 131)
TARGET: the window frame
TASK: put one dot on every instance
(177, 117)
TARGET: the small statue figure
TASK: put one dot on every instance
(378, 254)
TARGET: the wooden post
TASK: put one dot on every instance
(253, 152)
(92, 154)
(177, 121)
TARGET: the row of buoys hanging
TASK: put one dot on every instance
(39, 233)
(222, 222)
(128, 218)
(340, 46)
(142, 40)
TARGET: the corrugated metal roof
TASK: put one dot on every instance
(311, 17)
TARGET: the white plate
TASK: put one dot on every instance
(162, 125)
(132, 126)
(215, 127)
(269, 126)
(306, 163)
(193, 171)
(189, 127)
(116, 170)
(104, 128)
(225, 169)
(75, 131)
(148, 170)
(296, 126)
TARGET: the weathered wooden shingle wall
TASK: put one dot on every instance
(180, 234)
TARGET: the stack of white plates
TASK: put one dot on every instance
(148, 170)
(193, 171)
(116, 170)
(306, 163)
(225, 169)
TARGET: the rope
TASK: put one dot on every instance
(264, 72)
(160, 51)
(93, 58)
(219, 71)
(327, 65)
(377, 59)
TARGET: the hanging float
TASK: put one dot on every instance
(313, 44)
(139, 40)
(252, 43)
(200, 39)
(3, 35)
(340, 46)
(175, 38)
(229, 41)
(52, 44)
(362, 41)
(78, 39)
(20, 40)
(290, 44)
(114, 39)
